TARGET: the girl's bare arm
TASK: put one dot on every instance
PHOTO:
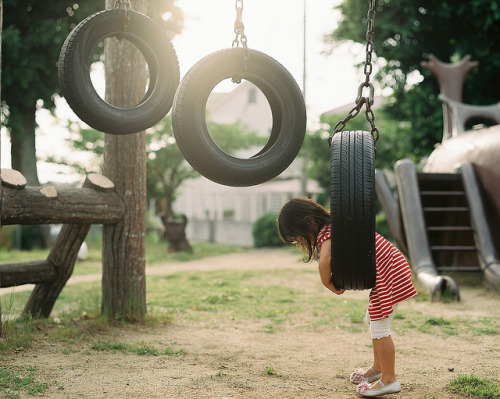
(325, 269)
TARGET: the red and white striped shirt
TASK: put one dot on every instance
(393, 282)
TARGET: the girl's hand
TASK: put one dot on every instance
(325, 272)
(332, 288)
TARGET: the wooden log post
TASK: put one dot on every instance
(124, 251)
(63, 256)
(30, 272)
(95, 203)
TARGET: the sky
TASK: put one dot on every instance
(274, 27)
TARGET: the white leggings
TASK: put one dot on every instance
(381, 328)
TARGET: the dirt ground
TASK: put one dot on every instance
(230, 360)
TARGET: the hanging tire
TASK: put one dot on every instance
(74, 71)
(287, 107)
(353, 210)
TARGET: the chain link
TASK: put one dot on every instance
(341, 124)
(360, 100)
(127, 6)
(123, 4)
(239, 30)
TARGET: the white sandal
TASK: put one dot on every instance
(367, 392)
(358, 377)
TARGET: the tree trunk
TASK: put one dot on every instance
(23, 151)
(124, 260)
(23, 155)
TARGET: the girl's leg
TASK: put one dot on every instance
(376, 362)
(386, 355)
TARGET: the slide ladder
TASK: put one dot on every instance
(439, 222)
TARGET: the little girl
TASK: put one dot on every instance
(307, 224)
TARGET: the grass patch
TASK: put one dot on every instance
(473, 386)
(17, 379)
(139, 348)
(446, 326)
(156, 253)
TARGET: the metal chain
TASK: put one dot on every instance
(341, 124)
(125, 4)
(360, 100)
(239, 30)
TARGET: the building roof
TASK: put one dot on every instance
(344, 109)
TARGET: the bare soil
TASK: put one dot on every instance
(229, 360)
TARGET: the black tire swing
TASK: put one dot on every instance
(352, 196)
(285, 100)
(74, 70)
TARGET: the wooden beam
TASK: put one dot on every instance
(31, 272)
(63, 256)
(96, 204)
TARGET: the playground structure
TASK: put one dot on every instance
(446, 217)
(118, 201)
(97, 202)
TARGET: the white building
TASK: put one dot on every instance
(217, 213)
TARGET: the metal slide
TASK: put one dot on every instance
(439, 222)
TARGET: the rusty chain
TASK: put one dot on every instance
(127, 6)
(360, 100)
(239, 30)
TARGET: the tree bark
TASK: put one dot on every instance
(48, 205)
(30, 272)
(63, 257)
(124, 260)
(23, 149)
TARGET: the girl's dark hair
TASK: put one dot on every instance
(304, 218)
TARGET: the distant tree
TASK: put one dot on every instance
(33, 33)
(405, 32)
(166, 166)
(32, 36)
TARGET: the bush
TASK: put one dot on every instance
(265, 231)
(8, 237)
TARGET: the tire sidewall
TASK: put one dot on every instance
(287, 107)
(76, 84)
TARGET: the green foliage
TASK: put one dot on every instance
(139, 348)
(32, 37)
(265, 231)
(473, 386)
(405, 32)
(166, 166)
(391, 146)
(30, 237)
(8, 237)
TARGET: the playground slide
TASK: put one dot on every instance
(411, 232)
(488, 258)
